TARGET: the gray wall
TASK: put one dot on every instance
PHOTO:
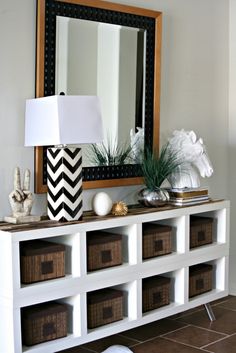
(195, 88)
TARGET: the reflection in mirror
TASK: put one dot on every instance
(107, 60)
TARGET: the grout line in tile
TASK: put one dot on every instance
(150, 339)
(229, 309)
(214, 331)
(137, 341)
(180, 328)
(205, 350)
(201, 308)
(224, 307)
(187, 325)
(184, 344)
(186, 314)
(220, 339)
(202, 347)
(137, 344)
(133, 339)
(224, 300)
(154, 337)
(216, 304)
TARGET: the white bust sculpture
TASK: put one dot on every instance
(196, 162)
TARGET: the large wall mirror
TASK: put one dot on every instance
(92, 47)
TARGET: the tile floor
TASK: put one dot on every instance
(188, 332)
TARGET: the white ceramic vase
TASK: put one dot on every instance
(101, 204)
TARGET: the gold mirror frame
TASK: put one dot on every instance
(40, 186)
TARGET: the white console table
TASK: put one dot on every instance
(73, 287)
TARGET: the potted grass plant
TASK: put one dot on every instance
(156, 170)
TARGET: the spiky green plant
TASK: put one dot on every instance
(112, 154)
(156, 169)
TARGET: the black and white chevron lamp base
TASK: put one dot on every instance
(64, 180)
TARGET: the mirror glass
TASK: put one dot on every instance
(106, 60)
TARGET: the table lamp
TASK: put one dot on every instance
(62, 120)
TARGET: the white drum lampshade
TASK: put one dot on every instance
(63, 120)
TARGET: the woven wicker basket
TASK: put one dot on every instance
(43, 322)
(156, 240)
(200, 279)
(41, 260)
(104, 306)
(200, 231)
(156, 292)
(103, 250)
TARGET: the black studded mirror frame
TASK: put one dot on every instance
(127, 174)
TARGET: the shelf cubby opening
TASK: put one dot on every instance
(105, 306)
(129, 242)
(60, 258)
(110, 247)
(130, 299)
(178, 225)
(219, 273)
(42, 260)
(46, 322)
(163, 291)
(157, 292)
(218, 226)
(74, 246)
(202, 279)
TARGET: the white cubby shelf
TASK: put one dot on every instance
(73, 288)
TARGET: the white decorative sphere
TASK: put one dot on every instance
(117, 349)
(102, 204)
